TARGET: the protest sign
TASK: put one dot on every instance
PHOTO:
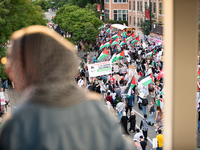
(2, 98)
(99, 69)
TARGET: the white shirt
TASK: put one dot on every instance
(108, 104)
(137, 136)
(113, 95)
(80, 82)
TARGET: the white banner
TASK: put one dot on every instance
(99, 69)
(2, 98)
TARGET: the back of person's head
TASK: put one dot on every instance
(158, 108)
(39, 55)
(145, 115)
(141, 137)
(161, 96)
(108, 93)
(137, 130)
(159, 131)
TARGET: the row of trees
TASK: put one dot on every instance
(14, 15)
(82, 23)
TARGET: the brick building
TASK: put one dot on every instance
(116, 9)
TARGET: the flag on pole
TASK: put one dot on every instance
(122, 43)
(108, 43)
(199, 73)
(103, 54)
(101, 47)
(161, 93)
(148, 54)
(160, 103)
(133, 84)
(147, 80)
(136, 40)
(114, 58)
(116, 35)
(161, 74)
(109, 29)
(115, 42)
(121, 55)
(130, 37)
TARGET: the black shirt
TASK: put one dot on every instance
(143, 145)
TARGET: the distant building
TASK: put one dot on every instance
(116, 9)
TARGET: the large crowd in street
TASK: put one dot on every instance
(136, 78)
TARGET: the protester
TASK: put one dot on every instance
(144, 125)
(151, 113)
(132, 121)
(158, 117)
(143, 143)
(160, 139)
(137, 136)
(124, 123)
(129, 103)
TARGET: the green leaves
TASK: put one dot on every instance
(75, 20)
(14, 15)
(145, 27)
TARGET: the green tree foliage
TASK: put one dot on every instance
(74, 19)
(82, 3)
(145, 27)
(93, 8)
(14, 15)
(43, 4)
(90, 33)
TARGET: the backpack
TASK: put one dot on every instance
(145, 102)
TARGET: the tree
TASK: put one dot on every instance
(14, 15)
(90, 33)
(93, 8)
(145, 27)
(43, 4)
(73, 19)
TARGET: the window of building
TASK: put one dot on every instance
(120, 1)
(106, 1)
(106, 13)
(140, 5)
(134, 5)
(145, 5)
(130, 20)
(134, 21)
(138, 22)
(120, 14)
(129, 5)
(160, 8)
(154, 8)
(151, 6)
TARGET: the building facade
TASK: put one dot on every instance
(116, 9)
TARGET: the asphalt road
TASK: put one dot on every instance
(49, 15)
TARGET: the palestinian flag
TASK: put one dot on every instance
(108, 31)
(116, 35)
(122, 43)
(121, 55)
(130, 37)
(147, 80)
(114, 58)
(124, 33)
(101, 47)
(136, 40)
(160, 103)
(115, 42)
(153, 64)
(148, 54)
(161, 93)
(154, 52)
(103, 54)
(199, 73)
(108, 43)
(133, 84)
(161, 74)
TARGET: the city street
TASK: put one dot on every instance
(49, 14)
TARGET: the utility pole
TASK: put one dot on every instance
(150, 13)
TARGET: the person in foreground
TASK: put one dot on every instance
(55, 114)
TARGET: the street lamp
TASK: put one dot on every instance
(150, 13)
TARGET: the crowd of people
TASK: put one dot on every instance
(145, 61)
